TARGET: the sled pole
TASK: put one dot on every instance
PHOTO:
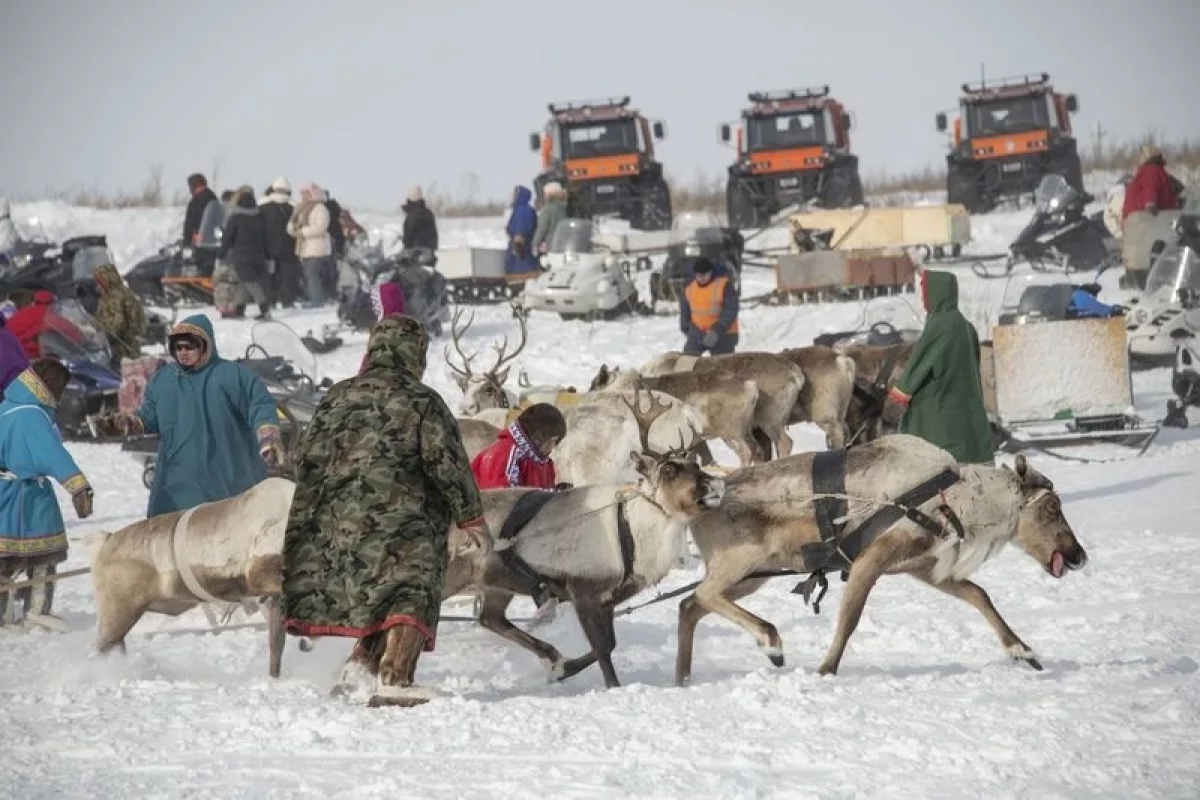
(5, 588)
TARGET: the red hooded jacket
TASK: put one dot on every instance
(29, 322)
(511, 461)
(1151, 184)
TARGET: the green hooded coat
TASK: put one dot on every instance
(941, 384)
(380, 474)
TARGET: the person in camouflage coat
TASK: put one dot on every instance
(380, 474)
(119, 314)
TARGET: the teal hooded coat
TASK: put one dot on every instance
(941, 384)
(31, 453)
(212, 421)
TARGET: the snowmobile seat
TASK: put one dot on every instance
(1048, 302)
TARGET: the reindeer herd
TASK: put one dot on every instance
(636, 453)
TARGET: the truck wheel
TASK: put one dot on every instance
(656, 207)
(842, 187)
(740, 206)
(962, 188)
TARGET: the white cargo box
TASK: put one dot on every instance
(866, 228)
(468, 263)
(632, 241)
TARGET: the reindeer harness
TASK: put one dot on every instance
(838, 548)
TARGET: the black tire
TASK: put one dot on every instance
(656, 207)
(743, 212)
(962, 188)
(842, 187)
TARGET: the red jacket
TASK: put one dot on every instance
(29, 322)
(505, 463)
(1151, 184)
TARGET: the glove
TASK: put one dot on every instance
(711, 338)
(270, 447)
(519, 246)
(82, 500)
(893, 410)
(476, 535)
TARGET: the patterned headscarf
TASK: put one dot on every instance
(524, 450)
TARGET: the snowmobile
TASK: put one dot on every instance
(695, 234)
(67, 270)
(426, 297)
(1054, 378)
(72, 336)
(1166, 312)
(878, 327)
(171, 277)
(1060, 236)
(283, 362)
(584, 278)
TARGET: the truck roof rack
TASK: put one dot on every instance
(578, 105)
(1031, 80)
(806, 93)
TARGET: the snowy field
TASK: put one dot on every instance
(926, 704)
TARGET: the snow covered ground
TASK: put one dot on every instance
(926, 704)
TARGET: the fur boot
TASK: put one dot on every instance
(398, 669)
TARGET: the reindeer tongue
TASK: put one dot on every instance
(1056, 564)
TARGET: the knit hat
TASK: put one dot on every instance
(415, 194)
(553, 189)
(281, 185)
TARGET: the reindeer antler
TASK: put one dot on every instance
(686, 451)
(502, 354)
(646, 418)
(455, 336)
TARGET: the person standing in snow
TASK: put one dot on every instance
(217, 424)
(244, 246)
(1152, 188)
(285, 269)
(309, 226)
(708, 311)
(202, 219)
(10, 237)
(940, 395)
(33, 535)
(553, 212)
(119, 314)
(380, 474)
(420, 226)
(522, 223)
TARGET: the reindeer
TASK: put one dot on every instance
(597, 546)
(839, 510)
(727, 401)
(601, 429)
(779, 382)
(476, 435)
(876, 370)
(826, 394)
(486, 389)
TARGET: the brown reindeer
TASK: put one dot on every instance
(727, 401)
(876, 370)
(782, 517)
(827, 390)
(781, 385)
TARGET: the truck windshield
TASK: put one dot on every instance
(786, 131)
(608, 138)
(1007, 115)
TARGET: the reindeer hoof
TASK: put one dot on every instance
(1020, 652)
(774, 654)
(826, 670)
(1033, 662)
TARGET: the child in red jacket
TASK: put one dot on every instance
(520, 456)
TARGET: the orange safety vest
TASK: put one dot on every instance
(705, 303)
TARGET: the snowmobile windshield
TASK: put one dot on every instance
(1176, 268)
(211, 223)
(701, 227)
(1054, 194)
(573, 236)
(298, 371)
(87, 260)
(1037, 296)
(70, 333)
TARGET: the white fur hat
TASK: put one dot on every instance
(281, 185)
(415, 194)
(552, 189)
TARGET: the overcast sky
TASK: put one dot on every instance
(368, 97)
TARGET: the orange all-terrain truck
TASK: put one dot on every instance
(602, 153)
(793, 146)
(1008, 135)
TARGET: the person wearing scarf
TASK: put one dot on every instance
(520, 456)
